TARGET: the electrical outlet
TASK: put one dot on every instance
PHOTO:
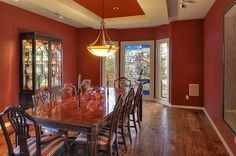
(187, 97)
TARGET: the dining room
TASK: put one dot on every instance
(113, 77)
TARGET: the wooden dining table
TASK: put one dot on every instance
(86, 114)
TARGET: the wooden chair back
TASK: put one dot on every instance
(122, 82)
(18, 120)
(115, 119)
(128, 105)
(68, 90)
(138, 97)
(42, 96)
(57, 94)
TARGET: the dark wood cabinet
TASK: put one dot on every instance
(41, 64)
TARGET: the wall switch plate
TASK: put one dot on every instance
(187, 97)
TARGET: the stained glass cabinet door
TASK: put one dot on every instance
(56, 64)
(42, 58)
(41, 64)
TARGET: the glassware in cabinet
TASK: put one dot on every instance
(27, 64)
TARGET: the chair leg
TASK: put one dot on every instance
(66, 140)
(138, 117)
(123, 137)
(110, 150)
(129, 131)
(134, 121)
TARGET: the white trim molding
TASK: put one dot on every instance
(187, 107)
(158, 70)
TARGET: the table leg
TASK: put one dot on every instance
(92, 143)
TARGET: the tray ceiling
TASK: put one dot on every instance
(130, 13)
(113, 8)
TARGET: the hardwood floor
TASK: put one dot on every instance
(175, 132)
(169, 131)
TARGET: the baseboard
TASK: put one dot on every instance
(218, 133)
(187, 107)
(7, 124)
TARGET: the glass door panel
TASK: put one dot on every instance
(137, 64)
(56, 63)
(27, 65)
(164, 69)
(42, 57)
(162, 73)
(110, 69)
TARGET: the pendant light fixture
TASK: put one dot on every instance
(102, 46)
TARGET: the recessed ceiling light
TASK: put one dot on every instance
(16, 0)
(116, 8)
(59, 15)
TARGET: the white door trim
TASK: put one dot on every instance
(158, 70)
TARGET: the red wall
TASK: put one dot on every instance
(186, 61)
(163, 31)
(213, 68)
(14, 21)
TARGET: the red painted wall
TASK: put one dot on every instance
(186, 61)
(213, 68)
(163, 31)
(138, 34)
(14, 21)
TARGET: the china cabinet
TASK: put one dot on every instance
(40, 65)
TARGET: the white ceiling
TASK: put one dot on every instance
(157, 12)
(197, 10)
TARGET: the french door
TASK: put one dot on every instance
(110, 69)
(137, 64)
(162, 74)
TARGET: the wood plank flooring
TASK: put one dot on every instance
(169, 131)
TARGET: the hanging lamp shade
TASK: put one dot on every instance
(102, 46)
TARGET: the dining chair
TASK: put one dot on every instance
(135, 110)
(107, 136)
(39, 145)
(122, 82)
(42, 97)
(124, 120)
(68, 90)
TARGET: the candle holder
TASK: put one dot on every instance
(107, 84)
(79, 91)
